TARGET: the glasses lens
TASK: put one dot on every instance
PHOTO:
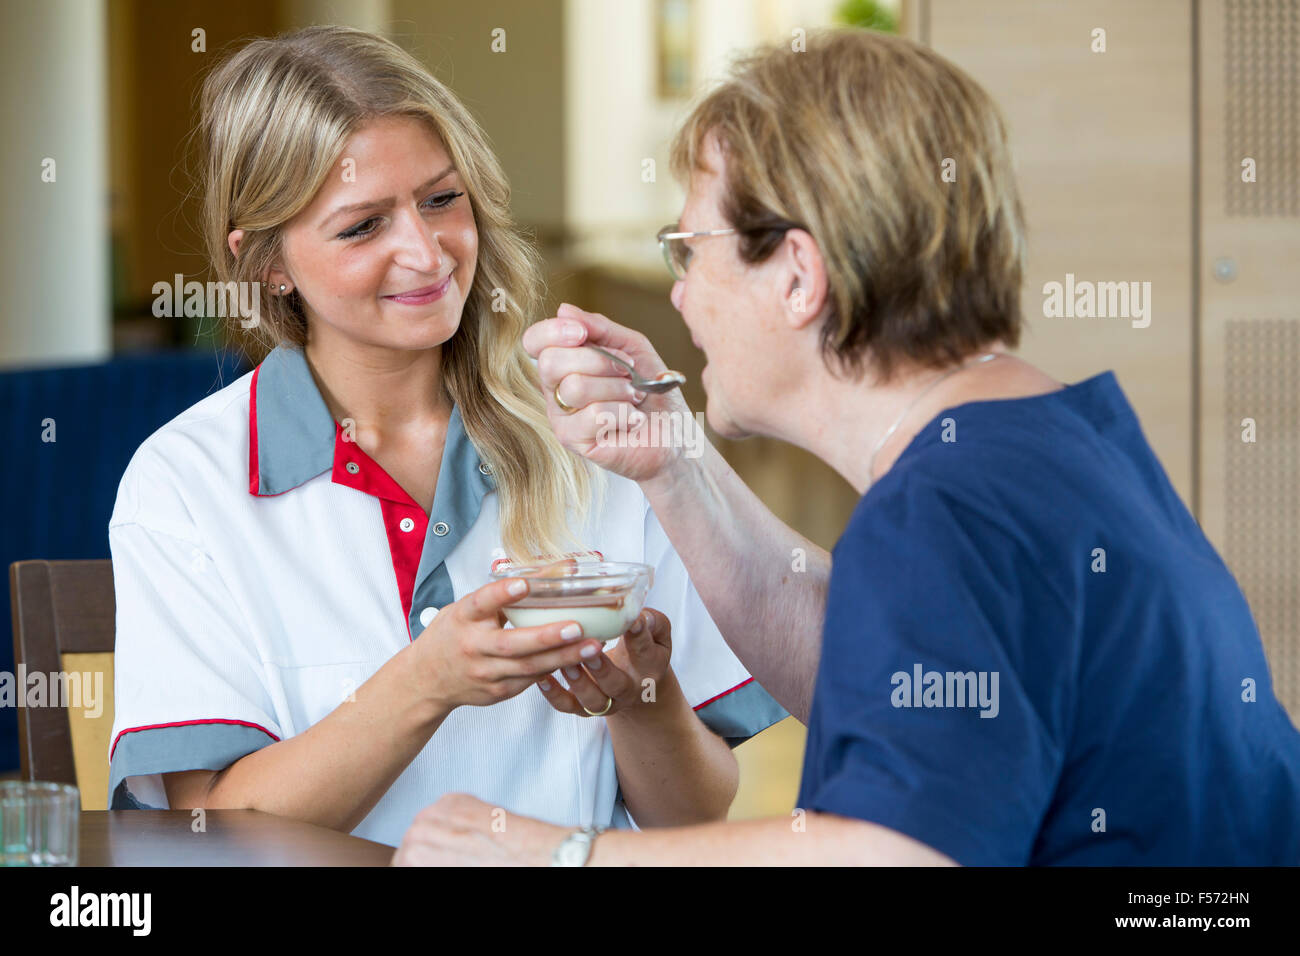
(666, 247)
(680, 254)
(676, 253)
(673, 257)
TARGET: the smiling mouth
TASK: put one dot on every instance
(419, 295)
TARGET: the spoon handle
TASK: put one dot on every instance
(665, 383)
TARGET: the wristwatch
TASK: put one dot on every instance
(576, 848)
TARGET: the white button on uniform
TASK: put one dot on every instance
(352, 467)
(441, 528)
(406, 524)
(427, 616)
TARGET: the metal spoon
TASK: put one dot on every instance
(664, 382)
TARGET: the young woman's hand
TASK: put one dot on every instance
(629, 675)
(600, 427)
(466, 656)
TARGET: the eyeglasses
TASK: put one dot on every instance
(677, 255)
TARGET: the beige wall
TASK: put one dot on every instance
(1103, 150)
(517, 95)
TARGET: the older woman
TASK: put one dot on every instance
(1029, 653)
(303, 624)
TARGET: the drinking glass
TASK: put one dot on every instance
(39, 823)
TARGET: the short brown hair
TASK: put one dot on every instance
(848, 141)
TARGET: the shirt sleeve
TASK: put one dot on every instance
(939, 709)
(189, 687)
(716, 684)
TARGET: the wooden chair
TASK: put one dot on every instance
(63, 621)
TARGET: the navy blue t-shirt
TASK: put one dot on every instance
(1032, 654)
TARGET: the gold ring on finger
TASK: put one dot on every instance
(567, 408)
(598, 713)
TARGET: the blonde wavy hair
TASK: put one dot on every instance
(275, 115)
(850, 140)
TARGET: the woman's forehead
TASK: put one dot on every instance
(379, 165)
(702, 200)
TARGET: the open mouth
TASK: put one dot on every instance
(422, 296)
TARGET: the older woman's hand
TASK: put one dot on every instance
(602, 426)
(461, 830)
(628, 675)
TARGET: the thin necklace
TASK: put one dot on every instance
(871, 462)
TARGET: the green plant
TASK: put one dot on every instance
(867, 13)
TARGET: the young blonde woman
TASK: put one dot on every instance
(303, 623)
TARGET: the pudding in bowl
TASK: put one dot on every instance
(603, 597)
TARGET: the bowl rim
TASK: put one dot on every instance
(592, 570)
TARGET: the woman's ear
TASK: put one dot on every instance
(277, 275)
(277, 278)
(804, 278)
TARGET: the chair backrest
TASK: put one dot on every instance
(60, 608)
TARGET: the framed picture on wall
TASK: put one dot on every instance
(674, 48)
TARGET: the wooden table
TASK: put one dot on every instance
(231, 838)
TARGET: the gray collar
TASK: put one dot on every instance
(292, 439)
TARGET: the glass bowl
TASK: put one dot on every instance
(604, 597)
